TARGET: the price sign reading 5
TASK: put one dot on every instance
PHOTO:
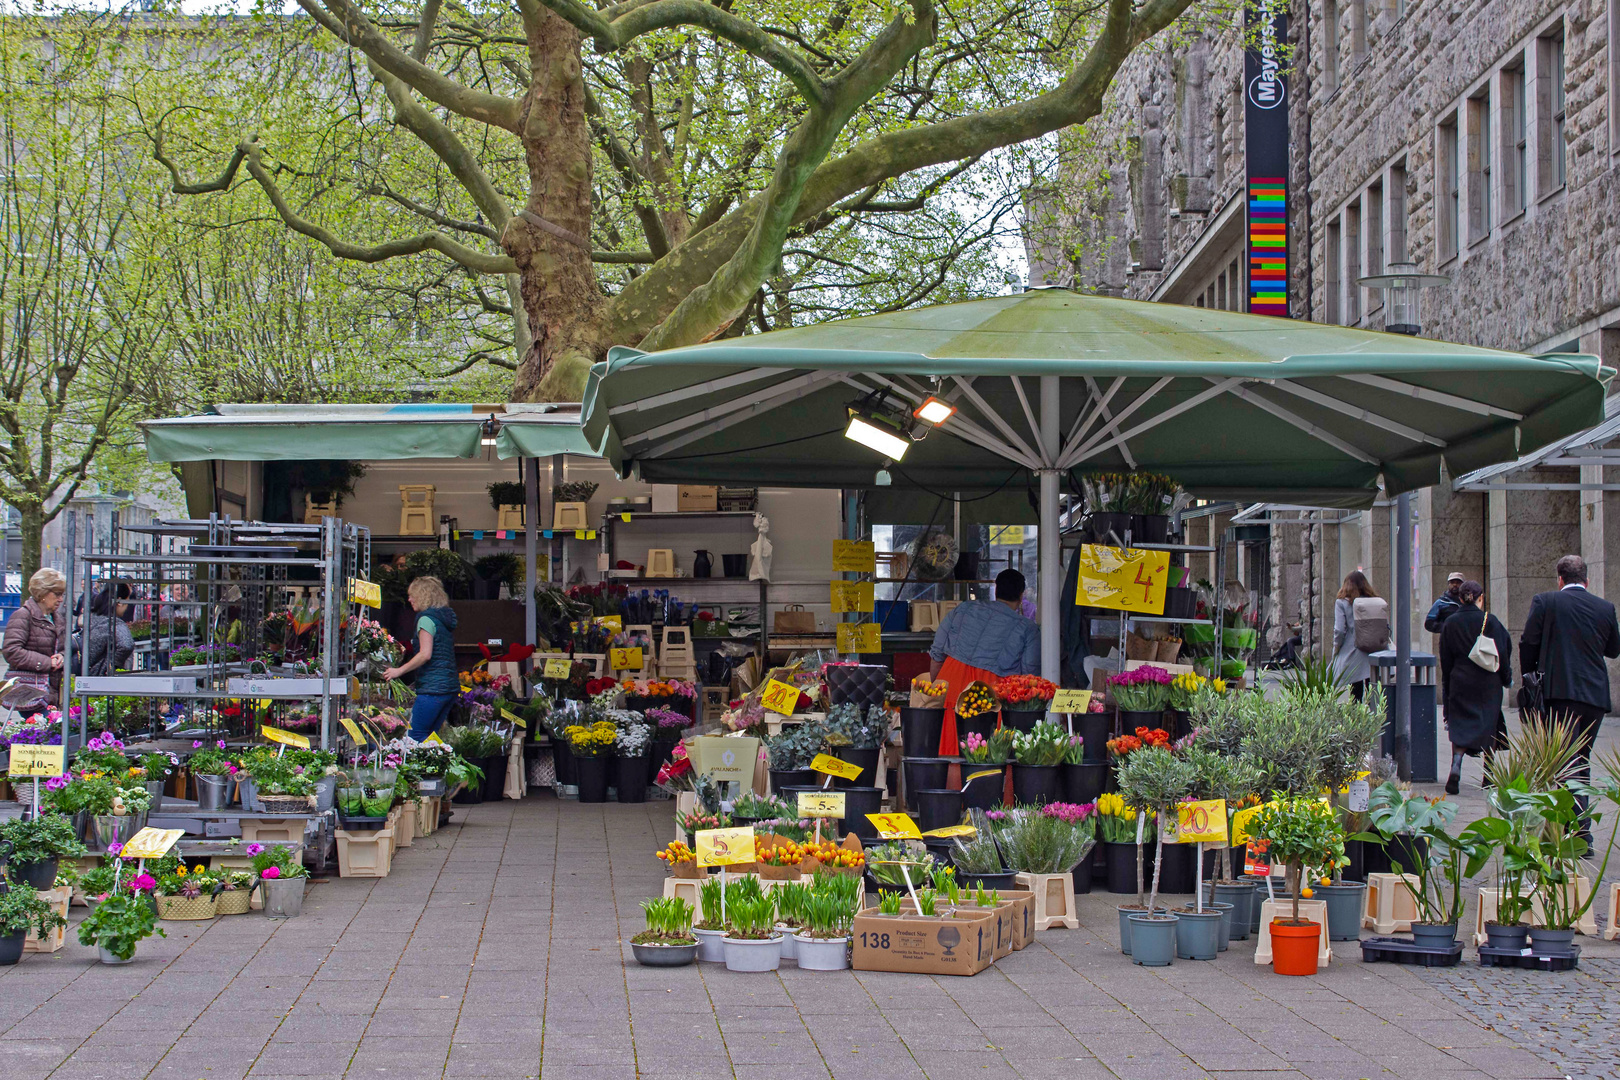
(780, 697)
(725, 847)
(1202, 820)
(826, 763)
(823, 805)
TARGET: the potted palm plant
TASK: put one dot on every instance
(668, 940)
(1037, 755)
(1154, 779)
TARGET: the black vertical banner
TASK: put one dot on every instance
(1265, 148)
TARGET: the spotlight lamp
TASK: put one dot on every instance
(934, 411)
(877, 432)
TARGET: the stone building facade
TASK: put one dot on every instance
(1477, 138)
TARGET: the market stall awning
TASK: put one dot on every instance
(1233, 406)
(364, 432)
(1586, 447)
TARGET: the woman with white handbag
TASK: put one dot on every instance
(1475, 668)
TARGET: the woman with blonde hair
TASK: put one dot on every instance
(438, 686)
(36, 634)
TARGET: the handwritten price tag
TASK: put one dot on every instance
(1240, 825)
(854, 556)
(354, 732)
(895, 826)
(625, 659)
(826, 763)
(821, 805)
(38, 760)
(1071, 701)
(780, 697)
(1202, 820)
(852, 596)
(1125, 580)
(859, 638)
(951, 830)
(515, 718)
(286, 738)
(151, 843)
(365, 593)
(725, 847)
(559, 668)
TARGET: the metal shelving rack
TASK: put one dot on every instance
(225, 565)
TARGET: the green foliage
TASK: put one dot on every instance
(502, 566)
(507, 493)
(751, 919)
(1542, 753)
(1154, 778)
(474, 742)
(669, 921)
(21, 910)
(994, 750)
(1540, 834)
(118, 924)
(977, 854)
(1285, 743)
(1301, 832)
(1043, 744)
(796, 745)
(889, 903)
(827, 914)
(280, 859)
(1349, 731)
(1450, 859)
(709, 900)
(441, 563)
(848, 725)
(1038, 844)
(37, 840)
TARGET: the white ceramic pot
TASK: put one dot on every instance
(823, 954)
(744, 954)
(710, 946)
(109, 958)
(790, 944)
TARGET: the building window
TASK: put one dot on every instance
(1557, 68)
(1549, 114)
(1330, 45)
(1396, 248)
(1335, 252)
(1352, 263)
(1448, 217)
(1479, 166)
(1515, 174)
(1614, 77)
(1375, 233)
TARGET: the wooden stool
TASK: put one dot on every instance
(660, 562)
(1388, 908)
(1054, 900)
(314, 511)
(688, 889)
(1314, 910)
(509, 517)
(1612, 931)
(416, 510)
(570, 515)
(1484, 912)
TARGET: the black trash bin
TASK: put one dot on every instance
(1425, 728)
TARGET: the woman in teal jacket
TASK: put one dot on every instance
(438, 686)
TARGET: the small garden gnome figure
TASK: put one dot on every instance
(759, 562)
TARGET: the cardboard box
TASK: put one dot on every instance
(922, 945)
(666, 498)
(692, 498)
(1023, 905)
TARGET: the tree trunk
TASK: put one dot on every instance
(550, 238)
(33, 541)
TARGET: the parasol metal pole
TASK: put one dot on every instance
(1403, 636)
(1051, 544)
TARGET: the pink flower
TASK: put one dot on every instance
(114, 848)
(271, 872)
(220, 744)
(254, 849)
(196, 744)
(143, 883)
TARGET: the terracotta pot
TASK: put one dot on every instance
(1294, 948)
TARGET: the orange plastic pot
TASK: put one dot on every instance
(1294, 948)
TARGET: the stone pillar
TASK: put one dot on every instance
(1451, 536)
(1529, 531)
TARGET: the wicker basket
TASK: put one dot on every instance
(285, 804)
(233, 902)
(185, 908)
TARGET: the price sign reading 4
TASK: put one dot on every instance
(1071, 701)
(895, 826)
(1202, 820)
(557, 668)
(1125, 580)
(780, 697)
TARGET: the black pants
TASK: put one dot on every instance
(1587, 719)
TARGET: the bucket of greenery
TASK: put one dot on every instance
(791, 752)
(281, 878)
(1044, 849)
(712, 928)
(1140, 695)
(280, 786)
(1153, 779)
(825, 917)
(751, 942)
(978, 860)
(857, 735)
(105, 808)
(210, 773)
(668, 940)
(33, 846)
(119, 923)
(490, 572)
(1037, 755)
(1300, 832)
(21, 910)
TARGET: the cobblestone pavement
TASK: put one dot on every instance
(498, 948)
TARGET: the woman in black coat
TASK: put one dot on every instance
(1474, 719)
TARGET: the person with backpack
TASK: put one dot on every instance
(1360, 627)
(1476, 665)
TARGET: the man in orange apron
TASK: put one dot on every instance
(983, 640)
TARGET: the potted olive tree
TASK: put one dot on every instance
(1348, 730)
(1154, 780)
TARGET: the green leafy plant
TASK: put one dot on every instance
(1300, 833)
(274, 775)
(797, 745)
(977, 854)
(1449, 859)
(475, 742)
(669, 922)
(1542, 753)
(987, 899)
(506, 493)
(1074, 753)
(1037, 843)
(39, 839)
(210, 761)
(275, 861)
(21, 910)
(1043, 744)
(992, 750)
(826, 915)
(927, 901)
(1551, 845)
(1284, 742)
(709, 894)
(1217, 776)
(574, 491)
(884, 862)
(157, 766)
(791, 896)
(118, 924)
(502, 566)
(889, 903)
(848, 725)
(441, 563)
(760, 807)
(751, 919)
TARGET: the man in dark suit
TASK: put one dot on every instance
(1566, 637)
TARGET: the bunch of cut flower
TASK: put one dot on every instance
(835, 857)
(1126, 745)
(1043, 744)
(1025, 693)
(1142, 689)
(1116, 822)
(978, 750)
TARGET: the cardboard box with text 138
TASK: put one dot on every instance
(963, 945)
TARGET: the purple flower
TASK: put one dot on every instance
(254, 849)
(220, 744)
(196, 744)
(114, 848)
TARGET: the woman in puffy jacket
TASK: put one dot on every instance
(36, 632)
(108, 642)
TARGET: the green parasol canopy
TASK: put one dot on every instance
(1233, 406)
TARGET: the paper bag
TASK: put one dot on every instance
(794, 619)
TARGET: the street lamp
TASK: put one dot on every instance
(1403, 286)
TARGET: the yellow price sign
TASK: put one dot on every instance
(1240, 825)
(286, 738)
(951, 830)
(725, 847)
(780, 697)
(625, 659)
(1071, 701)
(433, 737)
(365, 593)
(826, 763)
(557, 668)
(614, 623)
(38, 760)
(1123, 579)
(1203, 820)
(354, 732)
(859, 637)
(151, 843)
(895, 826)
(828, 804)
(854, 556)
(853, 596)
(515, 718)
(1007, 535)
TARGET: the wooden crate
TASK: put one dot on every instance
(273, 831)
(59, 899)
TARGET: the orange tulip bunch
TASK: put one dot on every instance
(676, 852)
(833, 856)
(782, 853)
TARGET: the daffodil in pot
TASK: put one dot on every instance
(712, 928)
(668, 940)
(752, 942)
(118, 925)
(1299, 832)
(1154, 778)
(826, 915)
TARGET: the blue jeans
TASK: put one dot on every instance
(428, 712)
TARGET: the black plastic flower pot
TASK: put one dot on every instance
(937, 808)
(1129, 721)
(1150, 528)
(939, 849)
(983, 725)
(1092, 727)
(591, 774)
(662, 751)
(11, 948)
(782, 779)
(1180, 723)
(1036, 785)
(1176, 870)
(1084, 782)
(564, 759)
(494, 777)
(856, 684)
(1121, 859)
(1005, 880)
(1409, 851)
(920, 730)
(630, 778)
(866, 758)
(1021, 719)
(858, 802)
(923, 772)
(38, 876)
(986, 791)
(1355, 851)
(471, 794)
(1102, 525)
(1179, 602)
(1082, 875)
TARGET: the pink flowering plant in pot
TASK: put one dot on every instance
(281, 877)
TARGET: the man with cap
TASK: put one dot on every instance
(1447, 605)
